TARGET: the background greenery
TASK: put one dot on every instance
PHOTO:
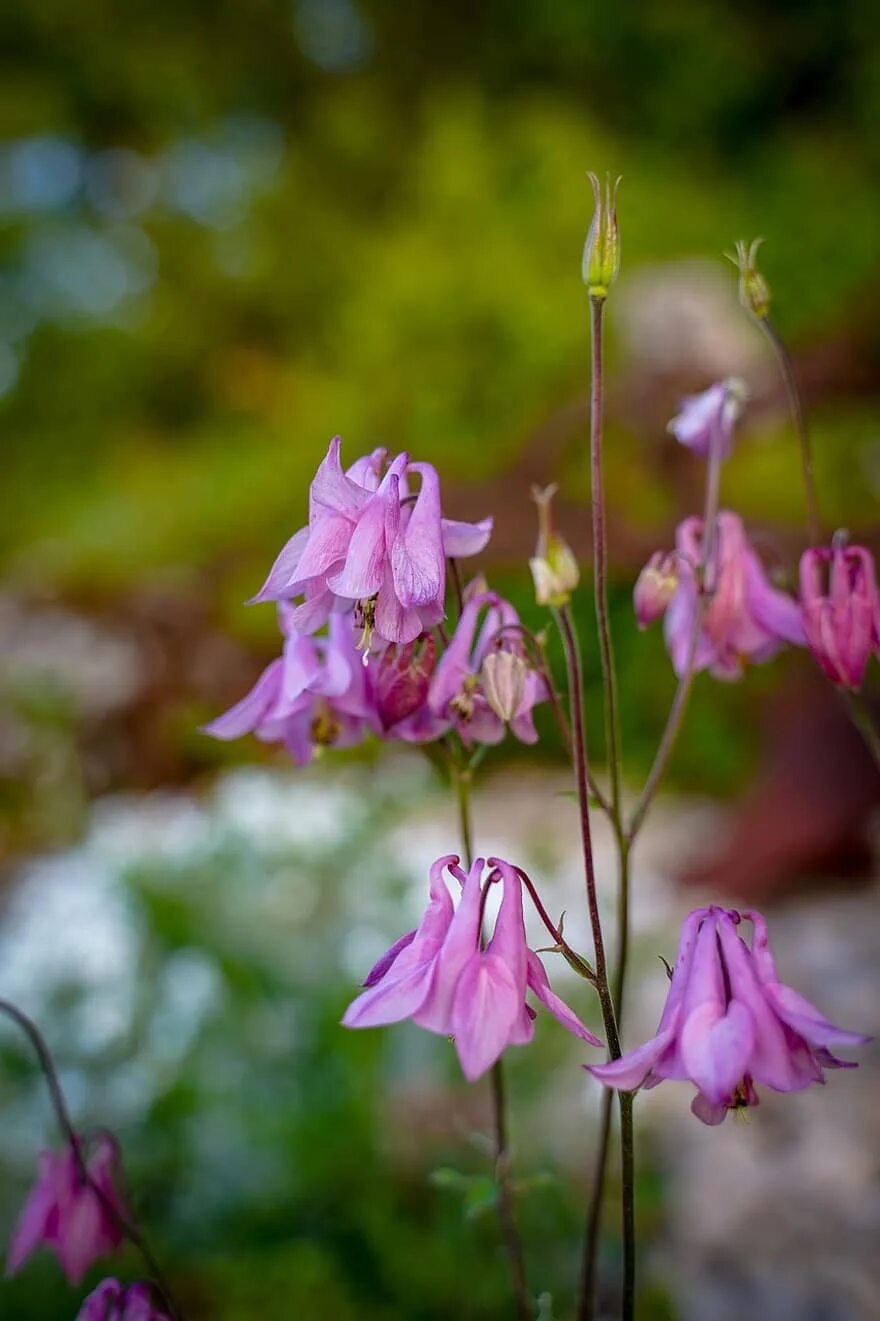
(229, 231)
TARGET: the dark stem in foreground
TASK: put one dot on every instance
(59, 1105)
(506, 1209)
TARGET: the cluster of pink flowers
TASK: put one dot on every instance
(370, 568)
(741, 616)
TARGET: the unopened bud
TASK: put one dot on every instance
(402, 678)
(655, 587)
(601, 261)
(504, 683)
(553, 565)
(754, 291)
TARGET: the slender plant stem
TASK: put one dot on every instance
(595, 1207)
(861, 718)
(622, 926)
(574, 960)
(786, 366)
(628, 1180)
(600, 558)
(506, 1209)
(62, 1114)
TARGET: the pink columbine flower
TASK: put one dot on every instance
(370, 544)
(68, 1214)
(729, 1022)
(316, 694)
(112, 1301)
(655, 587)
(745, 617)
(440, 976)
(840, 605)
(457, 691)
(707, 420)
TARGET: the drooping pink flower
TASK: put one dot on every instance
(440, 976)
(745, 618)
(112, 1301)
(370, 545)
(840, 605)
(316, 694)
(708, 419)
(69, 1214)
(457, 691)
(655, 587)
(729, 1022)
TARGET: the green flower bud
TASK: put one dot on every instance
(601, 262)
(754, 291)
(554, 568)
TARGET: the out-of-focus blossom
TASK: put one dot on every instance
(655, 587)
(372, 545)
(744, 617)
(401, 678)
(440, 976)
(840, 606)
(457, 690)
(554, 568)
(729, 1022)
(71, 1215)
(600, 265)
(503, 678)
(705, 421)
(112, 1301)
(317, 694)
(754, 291)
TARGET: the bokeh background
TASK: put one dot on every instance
(228, 232)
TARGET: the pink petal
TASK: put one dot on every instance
(716, 1047)
(509, 940)
(417, 562)
(327, 547)
(392, 999)
(710, 1112)
(247, 714)
(32, 1226)
(806, 1019)
(486, 1006)
(460, 944)
(364, 569)
(461, 540)
(383, 965)
(631, 1070)
(284, 570)
(334, 491)
(539, 984)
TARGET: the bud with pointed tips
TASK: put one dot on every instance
(553, 565)
(655, 587)
(601, 260)
(504, 683)
(754, 291)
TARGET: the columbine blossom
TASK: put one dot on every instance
(840, 619)
(744, 618)
(440, 976)
(729, 1022)
(316, 694)
(706, 421)
(655, 587)
(370, 544)
(69, 1214)
(112, 1301)
(457, 691)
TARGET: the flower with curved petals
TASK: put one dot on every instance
(842, 620)
(112, 1301)
(442, 978)
(708, 419)
(729, 1023)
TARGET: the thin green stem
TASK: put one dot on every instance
(595, 1207)
(786, 366)
(59, 1104)
(863, 721)
(506, 1208)
(622, 926)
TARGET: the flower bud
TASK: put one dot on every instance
(655, 587)
(553, 565)
(601, 260)
(504, 683)
(754, 291)
(840, 606)
(402, 678)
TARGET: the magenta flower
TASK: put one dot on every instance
(440, 976)
(316, 694)
(401, 679)
(369, 544)
(457, 691)
(708, 419)
(112, 1301)
(745, 617)
(655, 587)
(729, 1023)
(840, 605)
(72, 1216)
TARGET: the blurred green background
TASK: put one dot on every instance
(228, 232)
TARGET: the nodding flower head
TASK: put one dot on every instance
(76, 1217)
(655, 587)
(744, 618)
(601, 260)
(370, 543)
(112, 1301)
(458, 688)
(554, 568)
(442, 978)
(754, 291)
(840, 606)
(705, 422)
(402, 675)
(729, 1023)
